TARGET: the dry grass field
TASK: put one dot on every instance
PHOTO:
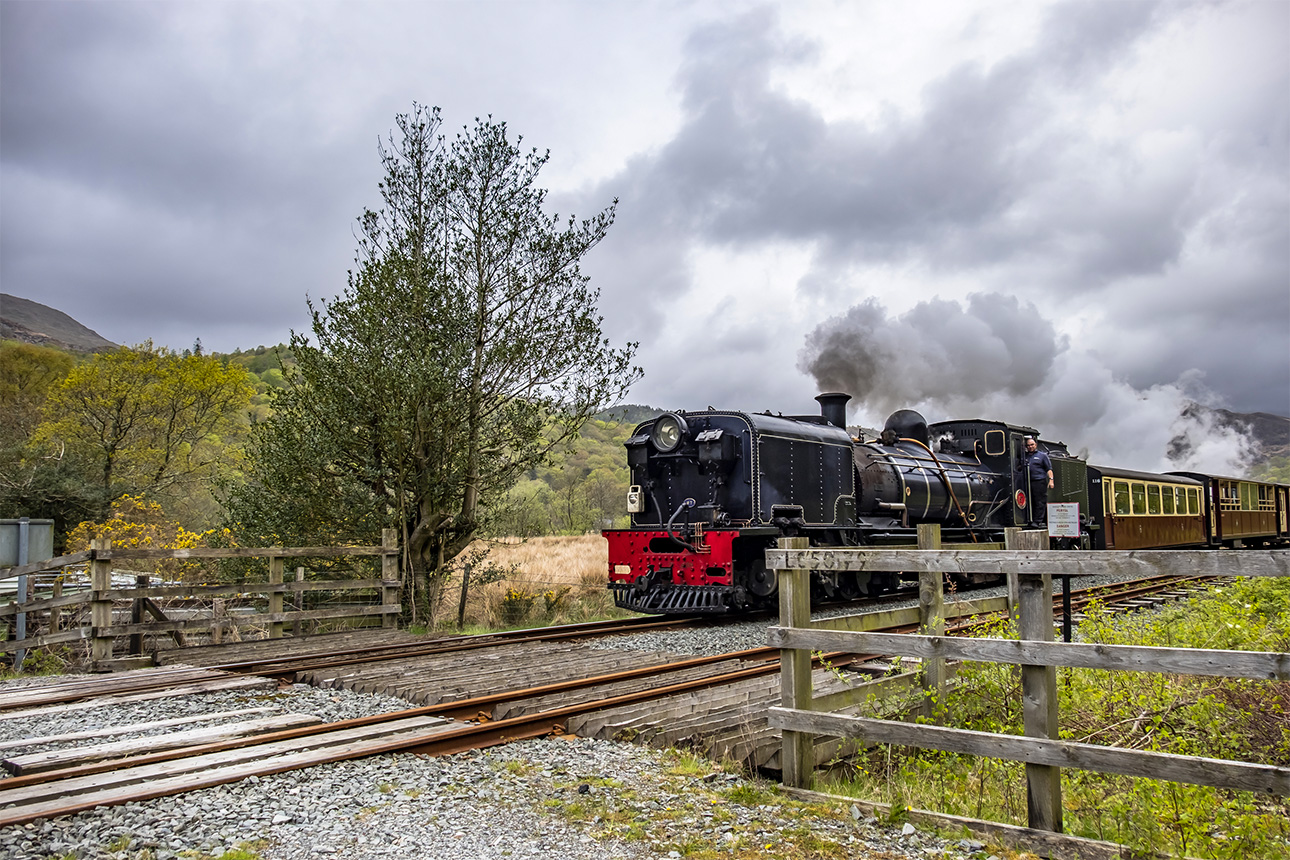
(557, 580)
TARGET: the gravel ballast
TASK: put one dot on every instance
(561, 797)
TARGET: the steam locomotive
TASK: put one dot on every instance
(712, 490)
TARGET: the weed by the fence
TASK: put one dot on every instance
(1183, 715)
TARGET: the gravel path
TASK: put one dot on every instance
(555, 798)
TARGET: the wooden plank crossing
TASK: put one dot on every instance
(96, 686)
(55, 759)
(134, 728)
(232, 682)
(287, 648)
(61, 797)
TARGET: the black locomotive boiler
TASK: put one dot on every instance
(712, 490)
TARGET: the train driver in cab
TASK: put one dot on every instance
(1039, 469)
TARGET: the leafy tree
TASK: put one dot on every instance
(27, 374)
(465, 347)
(145, 420)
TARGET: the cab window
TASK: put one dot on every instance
(1139, 492)
(1121, 498)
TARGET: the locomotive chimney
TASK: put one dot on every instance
(833, 406)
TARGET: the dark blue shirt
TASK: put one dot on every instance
(1038, 466)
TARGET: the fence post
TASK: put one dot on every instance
(136, 614)
(931, 622)
(297, 626)
(1013, 538)
(1038, 688)
(275, 595)
(100, 607)
(217, 621)
(390, 577)
(56, 613)
(798, 754)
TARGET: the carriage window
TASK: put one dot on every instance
(1267, 502)
(1121, 498)
(1228, 498)
(1180, 499)
(1139, 498)
(1193, 501)
(1248, 500)
(1153, 499)
(1166, 500)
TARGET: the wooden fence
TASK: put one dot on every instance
(801, 717)
(105, 612)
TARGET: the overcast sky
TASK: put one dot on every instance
(1069, 215)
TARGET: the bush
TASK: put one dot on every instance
(1182, 715)
(516, 606)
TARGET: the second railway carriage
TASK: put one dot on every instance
(1242, 512)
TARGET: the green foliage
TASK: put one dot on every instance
(27, 374)
(516, 606)
(465, 348)
(1182, 715)
(1273, 469)
(135, 420)
(553, 598)
(268, 367)
(582, 488)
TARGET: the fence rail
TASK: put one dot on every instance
(99, 614)
(1030, 572)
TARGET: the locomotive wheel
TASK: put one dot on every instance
(848, 586)
(761, 581)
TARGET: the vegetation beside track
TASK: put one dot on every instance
(1185, 715)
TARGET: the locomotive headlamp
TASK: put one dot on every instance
(669, 430)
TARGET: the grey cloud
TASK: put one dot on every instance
(995, 177)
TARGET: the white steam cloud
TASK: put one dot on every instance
(1000, 359)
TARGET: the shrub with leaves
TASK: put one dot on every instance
(136, 522)
(1176, 714)
(516, 606)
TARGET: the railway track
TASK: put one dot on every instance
(655, 698)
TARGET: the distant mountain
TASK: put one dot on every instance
(1270, 432)
(31, 322)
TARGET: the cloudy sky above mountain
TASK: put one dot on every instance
(1074, 215)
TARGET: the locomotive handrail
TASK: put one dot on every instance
(949, 488)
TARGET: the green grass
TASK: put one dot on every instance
(1182, 715)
